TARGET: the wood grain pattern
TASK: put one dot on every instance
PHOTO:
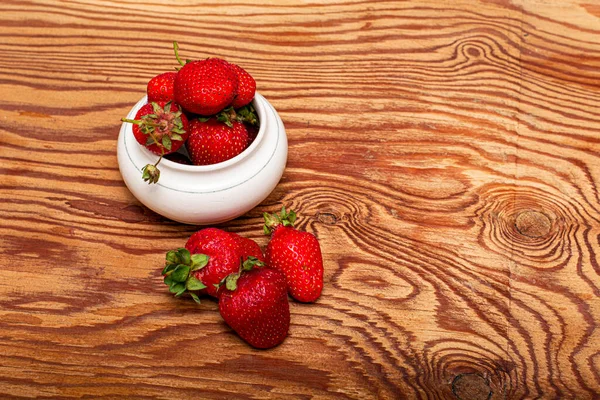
(446, 154)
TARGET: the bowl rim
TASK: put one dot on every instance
(257, 102)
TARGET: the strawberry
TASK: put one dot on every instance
(212, 141)
(246, 87)
(162, 128)
(254, 303)
(160, 88)
(206, 86)
(248, 247)
(223, 251)
(297, 254)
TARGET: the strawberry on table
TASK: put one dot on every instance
(212, 141)
(223, 252)
(248, 247)
(161, 87)
(254, 303)
(296, 253)
(162, 128)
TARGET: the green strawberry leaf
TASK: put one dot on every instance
(180, 273)
(231, 281)
(172, 256)
(199, 261)
(177, 288)
(166, 142)
(194, 284)
(156, 108)
(168, 280)
(185, 256)
(195, 297)
(292, 217)
(168, 268)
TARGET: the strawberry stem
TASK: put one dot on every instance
(176, 49)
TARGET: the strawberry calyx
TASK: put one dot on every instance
(161, 127)
(230, 281)
(150, 173)
(284, 218)
(179, 265)
(245, 115)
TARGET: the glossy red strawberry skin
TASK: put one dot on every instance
(298, 255)
(246, 87)
(161, 87)
(205, 87)
(141, 138)
(213, 142)
(258, 309)
(248, 247)
(223, 253)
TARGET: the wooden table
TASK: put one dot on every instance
(445, 153)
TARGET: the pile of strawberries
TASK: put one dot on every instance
(206, 105)
(251, 287)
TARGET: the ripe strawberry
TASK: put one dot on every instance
(246, 87)
(248, 247)
(205, 87)
(161, 128)
(222, 253)
(160, 88)
(212, 141)
(297, 254)
(254, 303)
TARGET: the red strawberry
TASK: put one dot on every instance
(205, 87)
(160, 88)
(223, 252)
(255, 305)
(246, 87)
(297, 254)
(248, 247)
(220, 255)
(162, 128)
(211, 141)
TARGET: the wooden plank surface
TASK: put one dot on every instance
(445, 153)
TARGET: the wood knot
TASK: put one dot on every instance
(473, 52)
(533, 224)
(471, 387)
(327, 218)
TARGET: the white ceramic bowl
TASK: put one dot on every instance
(208, 194)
